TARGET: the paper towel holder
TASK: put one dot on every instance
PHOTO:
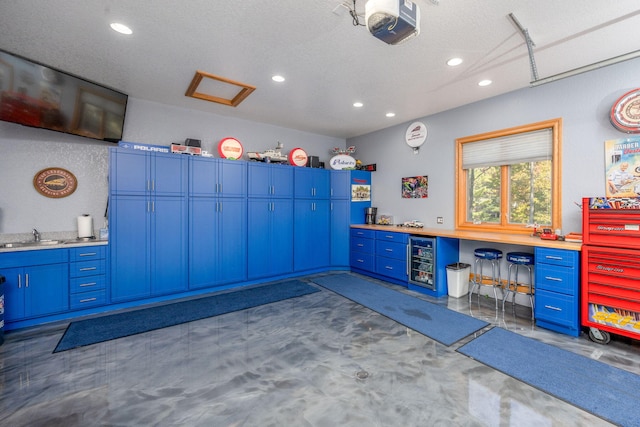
(85, 228)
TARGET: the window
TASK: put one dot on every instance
(509, 179)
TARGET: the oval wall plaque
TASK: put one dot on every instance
(55, 182)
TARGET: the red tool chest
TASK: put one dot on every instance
(610, 290)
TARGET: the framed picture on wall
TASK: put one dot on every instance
(415, 187)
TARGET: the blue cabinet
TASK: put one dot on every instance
(270, 180)
(312, 234)
(363, 251)
(87, 271)
(270, 227)
(557, 290)
(37, 283)
(217, 241)
(391, 255)
(340, 233)
(311, 183)
(341, 184)
(217, 177)
(148, 224)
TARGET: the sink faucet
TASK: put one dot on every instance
(36, 235)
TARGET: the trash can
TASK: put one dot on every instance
(1, 309)
(458, 279)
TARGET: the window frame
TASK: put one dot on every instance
(503, 226)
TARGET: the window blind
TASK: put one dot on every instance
(525, 147)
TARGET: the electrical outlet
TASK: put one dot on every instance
(440, 220)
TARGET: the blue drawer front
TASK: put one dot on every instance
(392, 237)
(88, 299)
(391, 249)
(556, 279)
(87, 253)
(362, 261)
(85, 284)
(392, 267)
(556, 308)
(362, 245)
(37, 257)
(87, 268)
(557, 257)
(359, 232)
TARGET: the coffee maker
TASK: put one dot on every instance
(370, 215)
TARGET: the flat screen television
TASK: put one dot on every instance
(33, 94)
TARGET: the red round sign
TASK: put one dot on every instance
(230, 148)
(298, 157)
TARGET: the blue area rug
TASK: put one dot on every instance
(105, 328)
(605, 391)
(438, 323)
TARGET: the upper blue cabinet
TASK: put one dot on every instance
(142, 173)
(217, 177)
(270, 180)
(311, 183)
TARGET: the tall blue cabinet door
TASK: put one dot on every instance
(169, 174)
(232, 240)
(168, 245)
(48, 291)
(260, 218)
(203, 231)
(130, 172)
(340, 186)
(311, 228)
(281, 246)
(129, 242)
(340, 237)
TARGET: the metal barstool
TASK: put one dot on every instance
(493, 256)
(517, 260)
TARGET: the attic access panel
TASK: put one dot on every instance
(219, 84)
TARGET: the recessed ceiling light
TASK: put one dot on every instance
(121, 28)
(277, 78)
(484, 82)
(390, 114)
(358, 104)
(454, 61)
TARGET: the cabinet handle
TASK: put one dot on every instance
(388, 267)
(360, 260)
(88, 268)
(550, 307)
(554, 279)
(88, 299)
(19, 281)
(360, 244)
(389, 250)
(408, 258)
(153, 185)
(554, 257)
(82, 285)
(26, 280)
(148, 185)
(272, 189)
(89, 254)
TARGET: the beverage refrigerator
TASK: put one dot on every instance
(428, 259)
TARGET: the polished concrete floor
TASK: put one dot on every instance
(317, 360)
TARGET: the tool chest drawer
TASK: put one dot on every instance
(359, 232)
(561, 257)
(611, 222)
(391, 250)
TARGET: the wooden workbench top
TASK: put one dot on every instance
(482, 236)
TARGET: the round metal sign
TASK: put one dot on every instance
(55, 182)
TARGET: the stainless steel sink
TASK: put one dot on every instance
(30, 243)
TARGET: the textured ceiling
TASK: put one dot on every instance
(328, 62)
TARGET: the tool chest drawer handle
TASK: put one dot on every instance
(554, 279)
(88, 268)
(89, 254)
(550, 307)
(88, 299)
(554, 257)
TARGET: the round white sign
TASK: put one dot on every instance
(342, 161)
(416, 134)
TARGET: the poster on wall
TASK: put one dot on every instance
(415, 187)
(360, 192)
(622, 167)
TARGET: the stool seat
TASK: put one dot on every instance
(517, 260)
(492, 257)
(487, 253)
(521, 258)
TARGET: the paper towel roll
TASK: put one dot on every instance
(85, 226)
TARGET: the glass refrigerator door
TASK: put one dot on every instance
(422, 262)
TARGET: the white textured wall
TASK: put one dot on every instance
(24, 151)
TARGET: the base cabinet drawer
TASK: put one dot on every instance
(556, 279)
(88, 299)
(556, 308)
(86, 284)
(363, 261)
(391, 267)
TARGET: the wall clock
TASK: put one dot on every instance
(625, 113)
(416, 135)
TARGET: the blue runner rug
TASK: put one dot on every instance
(105, 328)
(605, 391)
(438, 323)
